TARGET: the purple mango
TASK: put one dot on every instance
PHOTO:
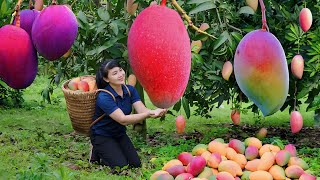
(54, 31)
(18, 58)
(27, 18)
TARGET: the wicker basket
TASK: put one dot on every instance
(81, 108)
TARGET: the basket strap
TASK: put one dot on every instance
(99, 118)
(127, 89)
(107, 92)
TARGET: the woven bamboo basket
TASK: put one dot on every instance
(80, 107)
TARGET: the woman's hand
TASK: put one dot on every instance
(158, 112)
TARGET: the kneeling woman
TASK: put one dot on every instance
(111, 145)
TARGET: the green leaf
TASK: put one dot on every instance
(303, 93)
(111, 42)
(114, 28)
(214, 78)
(3, 84)
(101, 28)
(237, 36)
(222, 38)
(91, 52)
(82, 17)
(198, 1)
(120, 24)
(197, 58)
(4, 7)
(103, 14)
(203, 7)
(246, 10)
(315, 104)
(177, 106)
(186, 107)
(313, 73)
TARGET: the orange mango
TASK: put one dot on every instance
(267, 160)
(260, 175)
(171, 163)
(252, 141)
(277, 172)
(231, 167)
(217, 147)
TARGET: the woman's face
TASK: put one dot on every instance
(116, 76)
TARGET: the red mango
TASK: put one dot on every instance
(296, 121)
(297, 66)
(185, 158)
(160, 57)
(227, 70)
(180, 124)
(176, 170)
(196, 165)
(235, 116)
(305, 19)
(306, 176)
(291, 149)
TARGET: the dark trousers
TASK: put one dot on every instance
(115, 151)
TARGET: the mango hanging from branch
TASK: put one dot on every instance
(160, 57)
(18, 58)
(260, 67)
(54, 31)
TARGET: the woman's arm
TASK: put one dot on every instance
(123, 119)
(140, 107)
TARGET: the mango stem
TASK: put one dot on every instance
(264, 20)
(17, 13)
(188, 19)
(31, 5)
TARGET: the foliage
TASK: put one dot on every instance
(10, 97)
(230, 21)
(103, 34)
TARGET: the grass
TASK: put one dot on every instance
(35, 140)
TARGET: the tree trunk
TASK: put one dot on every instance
(141, 127)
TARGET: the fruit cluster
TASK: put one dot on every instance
(248, 160)
(83, 84)
(35, 31)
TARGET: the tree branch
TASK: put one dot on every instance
(188, 19)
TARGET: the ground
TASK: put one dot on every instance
(308, 136)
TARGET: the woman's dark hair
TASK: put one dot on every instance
(103, 72)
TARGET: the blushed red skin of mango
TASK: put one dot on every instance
(180, 124)
(160, 57)
(296, 122)
(297, 66)
(261, 71)
(18, 58)
(305, 19)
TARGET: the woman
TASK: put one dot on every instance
(111, 145)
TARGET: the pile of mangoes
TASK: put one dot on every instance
(248, 160)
